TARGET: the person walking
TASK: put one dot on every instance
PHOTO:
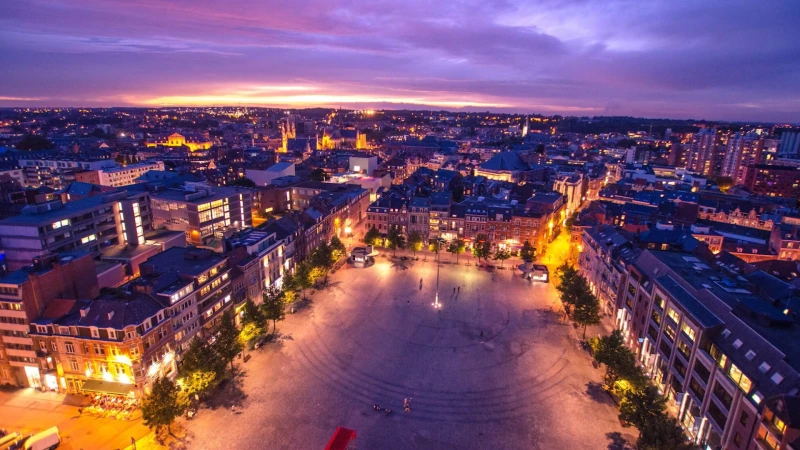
(459, 289)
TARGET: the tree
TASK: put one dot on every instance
(372, 236)
(253, 323)
(482, 247)
(289, 287)
(724, 183)
(528, 252)
(457, 247)
(642, 407)
(162, 406)
(337, 248)
(319, 174)
(244, 182)
(435, 246)
(273, 306)
(619, 360)
(227, 344)
(663, 434)
(303, 274)
(501, 254)
(201, 357)
(587, 311)
(571, 286)
(395, 239)
(198, 382)
(415, 242)
(322, 259)
(34, 142)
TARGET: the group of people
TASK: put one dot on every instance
(111, 406)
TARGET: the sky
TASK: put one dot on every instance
(733, 60)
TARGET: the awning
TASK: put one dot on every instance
(341, 439)
(106, 387)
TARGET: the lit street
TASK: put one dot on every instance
(493, 368)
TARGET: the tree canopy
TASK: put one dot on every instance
(34, 142)
(372, 236)
(162, 406)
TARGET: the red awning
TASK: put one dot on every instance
(341, 439)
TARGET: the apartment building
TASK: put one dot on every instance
(90, 224)
(203, 212)
(196, 285)
(117, 343)
(126, 175)
(25, 295)
(603, 254)
(717, 343)
(261, 256)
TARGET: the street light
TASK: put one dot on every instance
(436, 304)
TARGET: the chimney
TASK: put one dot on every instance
(110, 315)
(84, 312)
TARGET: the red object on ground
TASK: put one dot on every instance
(341, 439)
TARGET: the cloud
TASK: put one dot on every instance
(714, 59)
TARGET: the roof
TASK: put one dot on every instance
(505, 161)
(687, 300)
(186, 261)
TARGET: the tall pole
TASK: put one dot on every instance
(436, 303)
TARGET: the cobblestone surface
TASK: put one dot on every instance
(494, 368)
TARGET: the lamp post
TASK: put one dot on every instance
(436, 303)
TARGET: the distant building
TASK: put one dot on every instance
(366, 164)
(773, 180)
(126, 175)
(193, 142)
(789, 146)
(264, 177)
(704, 153)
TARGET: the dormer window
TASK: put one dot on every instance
(95, 332)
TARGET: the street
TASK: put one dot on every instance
(495, 367)
(28, 411)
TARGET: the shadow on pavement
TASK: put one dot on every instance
(618, 442)
(596, 392)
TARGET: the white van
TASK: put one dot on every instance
(45, 440)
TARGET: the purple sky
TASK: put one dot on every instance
(714, 59)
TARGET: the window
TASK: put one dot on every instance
(73, 365)
(95, 332)
(764, 367)
(777, 378)
(737, 439)
(54, 346)
(688, 331)
(750, 355)
(99, 349)
(737, 344)
(85, 348)
(723, 396)
(739, 378)
(112, 334)
(672, 314)
(69, 347)
(744, 418)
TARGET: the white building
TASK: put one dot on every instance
(363, 164)
(264, 177)
(123, 176)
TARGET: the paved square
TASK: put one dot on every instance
(494, 368)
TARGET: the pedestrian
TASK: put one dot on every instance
(233, 409)
(481, 333)
(80, 411)
(459, 289)
(454, 290)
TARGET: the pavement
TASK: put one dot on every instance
(495, 367)
(29, 411)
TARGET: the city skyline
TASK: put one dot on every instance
(732, 61)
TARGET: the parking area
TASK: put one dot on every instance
(494, 367)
